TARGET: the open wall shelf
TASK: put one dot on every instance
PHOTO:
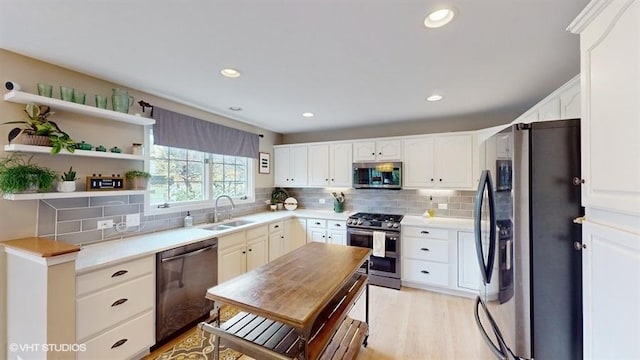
(87, 153)
(25, 98)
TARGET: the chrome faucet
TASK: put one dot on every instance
(215, 209)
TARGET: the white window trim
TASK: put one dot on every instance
(194, 205)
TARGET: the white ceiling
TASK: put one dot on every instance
(351, 62)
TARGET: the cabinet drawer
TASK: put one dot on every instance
(276, 227)
(317, 223)
(430, 233)
(231, 240)
(134, 336)
(100, 310)
(426, 249)
(114, 275)
(425, 272)
(257, 232)
(336, 225)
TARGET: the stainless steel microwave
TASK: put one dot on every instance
(383, 175)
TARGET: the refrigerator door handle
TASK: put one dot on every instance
(498, 352)
(486, 269)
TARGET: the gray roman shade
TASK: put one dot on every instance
(186, 132)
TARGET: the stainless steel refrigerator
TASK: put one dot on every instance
(530, 299)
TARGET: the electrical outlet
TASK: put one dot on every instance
(321, 201)
(133, 219)
(442, 206)
(105, 224)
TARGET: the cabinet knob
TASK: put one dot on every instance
(119, 302)
(291, 179)
(579, 246)
(119, 343)
(440, 179)
(424, 232)
(323, 236)
(249, 249)
(431, 179)
(333, 180)
(380, 153)
(424, 249)
(276, 226)
(373, 153)
(577, 181)
(327, 179)
(317, 223)
(338, 225)
(281, 236)
(424, 271)
(244, 252)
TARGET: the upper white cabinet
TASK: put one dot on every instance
(290, 165)
(564, 103)
(610, 54)
(330, 164)
(441, 161)
(381, 150)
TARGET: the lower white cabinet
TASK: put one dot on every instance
(295, 234)
(468, 267)
(611, 292)
(242, 251)
(276, 240)
(440, 259)
(327, 231)
(115, 310)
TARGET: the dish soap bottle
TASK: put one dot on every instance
(188, 220)
(431, 210)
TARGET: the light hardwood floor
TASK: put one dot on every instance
(414, 324)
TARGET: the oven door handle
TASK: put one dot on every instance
(360, 232)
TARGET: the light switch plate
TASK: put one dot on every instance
(133, 219)
(442, 206)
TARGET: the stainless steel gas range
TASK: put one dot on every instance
(362, 228)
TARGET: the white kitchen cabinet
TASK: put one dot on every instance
(426, 256)
(468, 267)
(610, 149)
(113, 304)
(242, 251)
(380, 150)
(290, 165)
(257, 247)
(610, 128)
(330, 164)
(570, 102)
(276, 240)
(327, 231)
(441, 161)
(295, 234)
(610, 303)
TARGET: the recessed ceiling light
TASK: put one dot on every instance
(439, 17)
(235, 108)
(308, 114)
(434, 97)
(229, 72)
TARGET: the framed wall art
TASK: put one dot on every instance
(264, 163)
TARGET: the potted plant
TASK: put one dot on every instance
(39, 130)
(68, 183)
(278, 196)
(19, 175)
(137, 180)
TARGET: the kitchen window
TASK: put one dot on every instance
(184, 179)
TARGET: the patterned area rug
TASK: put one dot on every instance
(199, 345)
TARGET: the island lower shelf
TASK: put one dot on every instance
(334, 334)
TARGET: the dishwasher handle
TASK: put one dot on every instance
(189, 254)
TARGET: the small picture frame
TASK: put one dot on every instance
(264, 163)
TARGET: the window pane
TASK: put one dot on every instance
(174, 178)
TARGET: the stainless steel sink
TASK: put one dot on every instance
(228, 225)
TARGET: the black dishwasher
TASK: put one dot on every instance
(183, 275)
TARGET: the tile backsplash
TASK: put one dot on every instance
(404, 202)
(75, 220)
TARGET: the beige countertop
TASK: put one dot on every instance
(42, 247)
(92, 257)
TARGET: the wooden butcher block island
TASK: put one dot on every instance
(296, 306)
